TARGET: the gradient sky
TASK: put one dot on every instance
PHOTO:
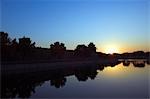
(107, 23)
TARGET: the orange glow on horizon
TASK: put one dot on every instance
(121, 48)
(111, 48)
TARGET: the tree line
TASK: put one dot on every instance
(24, 48)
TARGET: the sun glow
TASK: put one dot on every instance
(111, 49)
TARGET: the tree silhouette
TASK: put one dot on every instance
(81, 50)
(58, 49)
(25, 46)
(14, 49)
(11, 50)
(58, 82)
(82, 74)
(84, 51)
(92, 47)
(5, 40)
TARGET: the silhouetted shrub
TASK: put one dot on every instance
(58, 49)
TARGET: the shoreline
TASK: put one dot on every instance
(37, 67)
(17, 68)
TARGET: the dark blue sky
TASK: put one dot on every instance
(122, 24)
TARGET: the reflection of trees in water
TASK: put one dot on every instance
(16, 88)
(135, 62)
(101, 68)
(59, 82)
(24, 86)
(82, 74)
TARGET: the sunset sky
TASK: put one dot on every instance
(112, 25)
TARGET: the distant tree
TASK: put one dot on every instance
(14, 41)
(58, 49)
(56, 44)
(85, 51)
(25, 46)
(4, 39)
(32, 45)
(14, 44)
(63, 46)
(81, 50)
(92, 47)
(14, 49)
(5, 42)
(24, 42)
(81, 47)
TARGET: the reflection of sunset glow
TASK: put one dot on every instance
(121, 71)
(114, 70)
(118, 70)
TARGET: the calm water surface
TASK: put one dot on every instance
(109, 82)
